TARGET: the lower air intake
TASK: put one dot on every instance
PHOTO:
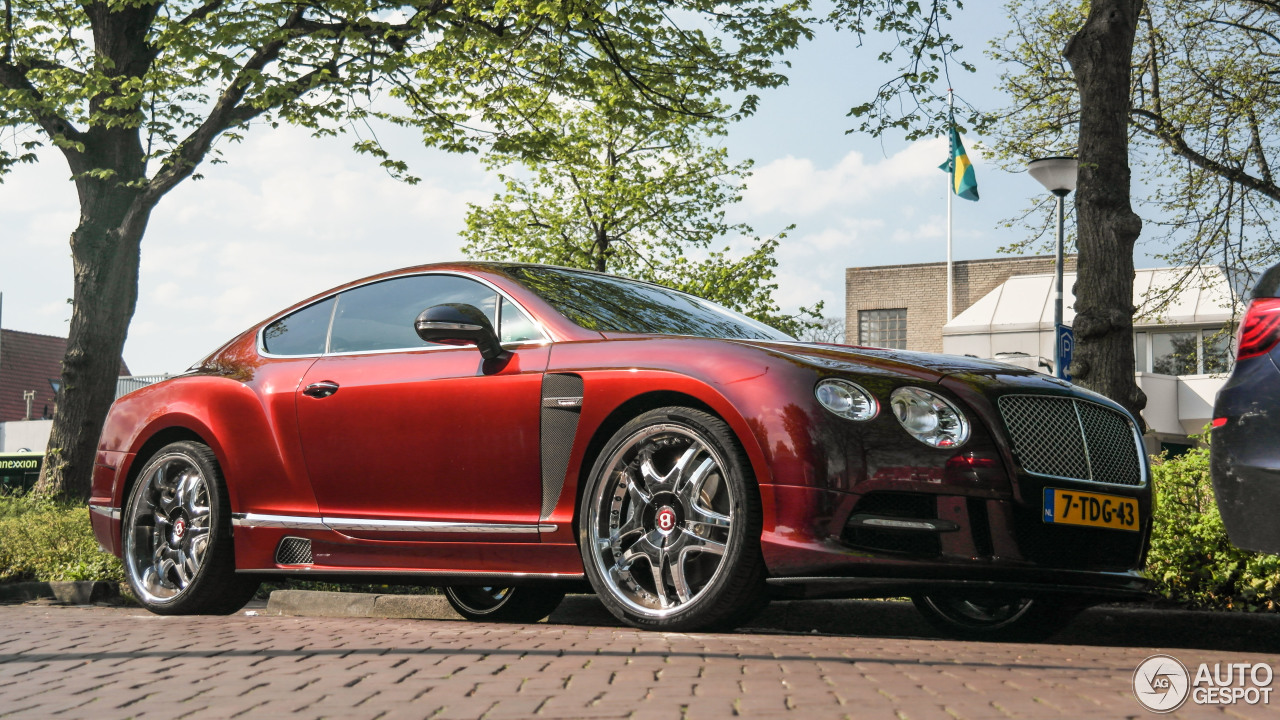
(294, 551)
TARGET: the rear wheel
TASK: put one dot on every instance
(503, 604)
(670, 524)
(178, 556)
(997, 617)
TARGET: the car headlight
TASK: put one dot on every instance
(930, 418)
(846, 399)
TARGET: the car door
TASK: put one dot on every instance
(406, 440)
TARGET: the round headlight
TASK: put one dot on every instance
(930, 418)
(846, 399)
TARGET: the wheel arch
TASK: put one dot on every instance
(149, 448)
(628, 411)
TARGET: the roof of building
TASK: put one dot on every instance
(28, 362)
(1025, 302)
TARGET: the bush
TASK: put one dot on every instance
(41, 539)
(1191, 560)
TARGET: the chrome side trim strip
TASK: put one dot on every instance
(107, 511)
(423, 573)
(291, 522)
(562, 402)
(430, 526)
(296, 522)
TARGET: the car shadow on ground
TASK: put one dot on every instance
(1103, 626)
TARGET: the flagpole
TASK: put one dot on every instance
(951, 185)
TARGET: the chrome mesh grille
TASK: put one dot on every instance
(294, 551)
(1070, 438)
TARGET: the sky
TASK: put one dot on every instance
(289, 216)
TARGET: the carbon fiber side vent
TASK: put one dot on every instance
(561, 408)
(294, 551)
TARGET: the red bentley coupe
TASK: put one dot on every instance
(508, 431)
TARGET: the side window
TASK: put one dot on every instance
(515, 326)
(300, 333)
(380, 316)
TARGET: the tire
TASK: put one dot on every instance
(997, 617)
(503, 604)
(669, 524)
(178, 556)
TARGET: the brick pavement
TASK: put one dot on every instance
(106, 663)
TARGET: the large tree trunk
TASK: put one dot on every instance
(109, 168)
(1100, 56)
(105, 255)
(105, 252)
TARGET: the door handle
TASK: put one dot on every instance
(322, 389)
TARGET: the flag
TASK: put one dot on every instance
(963, 182)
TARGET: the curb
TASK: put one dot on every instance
(70, 593)
(1106, 625)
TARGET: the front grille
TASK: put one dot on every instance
(294, 551)
(1072, 438)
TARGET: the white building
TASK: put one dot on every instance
(1182, 354)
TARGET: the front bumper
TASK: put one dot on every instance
(980, 544)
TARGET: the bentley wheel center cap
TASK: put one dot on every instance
(665, 520)
(179, 528)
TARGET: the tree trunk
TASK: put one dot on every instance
(105, 255)
(1101, 57)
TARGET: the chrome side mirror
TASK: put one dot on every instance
(459, 324)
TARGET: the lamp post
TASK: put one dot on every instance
(1058, 176)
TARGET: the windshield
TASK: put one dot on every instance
(611, 304)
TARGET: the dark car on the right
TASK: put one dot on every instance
(1245, 442)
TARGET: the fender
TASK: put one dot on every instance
(264, 466)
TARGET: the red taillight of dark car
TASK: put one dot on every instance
(1260, 329)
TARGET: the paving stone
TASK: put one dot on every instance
(104, 663)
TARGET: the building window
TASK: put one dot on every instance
(1192, 351)
(883, 328)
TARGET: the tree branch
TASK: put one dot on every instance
(1172, 137)
(13, 77)
(227, 112)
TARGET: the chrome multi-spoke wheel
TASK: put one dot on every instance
(177, 541)
(168, 527)
(997, 617)
(503, 604)
(671, 526)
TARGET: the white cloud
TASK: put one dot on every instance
(798, 187)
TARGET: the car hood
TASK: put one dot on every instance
(934, 366)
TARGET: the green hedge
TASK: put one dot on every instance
(1191, 559)
(50, 541)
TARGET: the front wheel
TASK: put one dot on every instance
(670, 524)
(503, 604)
(178, 556)
(997, 617)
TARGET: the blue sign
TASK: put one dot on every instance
(1063, 349)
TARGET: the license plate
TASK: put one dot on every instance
(1074, 507)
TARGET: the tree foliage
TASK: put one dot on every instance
(1204, 119)
(922, 52)
(640, 194)
(138, 93)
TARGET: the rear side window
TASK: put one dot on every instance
(515, 326)
(300, 333)
(380, 316)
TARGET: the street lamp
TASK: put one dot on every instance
(1058, 176)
